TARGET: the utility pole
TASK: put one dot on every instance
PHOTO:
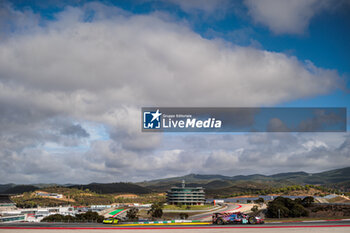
(279, 213)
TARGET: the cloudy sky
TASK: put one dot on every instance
(75, 74)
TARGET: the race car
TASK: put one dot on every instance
(110, 221)
(255, 220)
(235, 218)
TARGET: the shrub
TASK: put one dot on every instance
(286, 207)
(307, 201)
(85, 217)
(132, 214)
(156, 210)
(254, 209)
(259, 200)
(183, 216)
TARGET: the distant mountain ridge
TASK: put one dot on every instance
(114, 188)
(102, 188)
(337, 178)
(337, 175)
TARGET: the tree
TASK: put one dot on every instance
(254, 209)
(285, 207)
(259, 200)
(156, 210)
(132, 213)
(276, 210)
(179, 205)
(298, 211)
(85, 217)
(183, 216)
(307, 201)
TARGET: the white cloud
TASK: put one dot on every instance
(207, 6)
(287, 16)
(310, 145)
(140, 60)
(102, 71)
(12, 20)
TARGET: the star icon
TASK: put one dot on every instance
(156, 115)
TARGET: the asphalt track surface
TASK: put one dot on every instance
(296, 227)
(310, 224)
(227, 208)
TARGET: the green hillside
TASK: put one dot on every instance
(335, 179)
(101, 188)
(339, 178)
(114, 188)
(4, 187)
(19, 189)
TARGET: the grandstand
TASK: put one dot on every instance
(5, 203)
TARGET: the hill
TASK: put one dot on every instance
(107, 188)
(214, 184)
(4, 187)
(19, 189)
(101, 188)
(338, 178)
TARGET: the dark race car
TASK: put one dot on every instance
(235, 218)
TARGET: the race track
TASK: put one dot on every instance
(207, 216)
(317, 226)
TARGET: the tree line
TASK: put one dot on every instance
(84, 217)
(282, 207)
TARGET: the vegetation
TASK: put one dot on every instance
(132, 213)
(285, 207)
(19, 189)
(106, 188)
(156, 210)
(260, 200)
(297, 190)
(254, 209)
(218, 186)
(85, 217)
(338, 211)
(318, 212)
(38, 201)
(183, 216)
(79, 197)
(326, 178)
(114, 188)
(307, 201)
(71, 197)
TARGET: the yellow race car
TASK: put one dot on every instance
(110, 221)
